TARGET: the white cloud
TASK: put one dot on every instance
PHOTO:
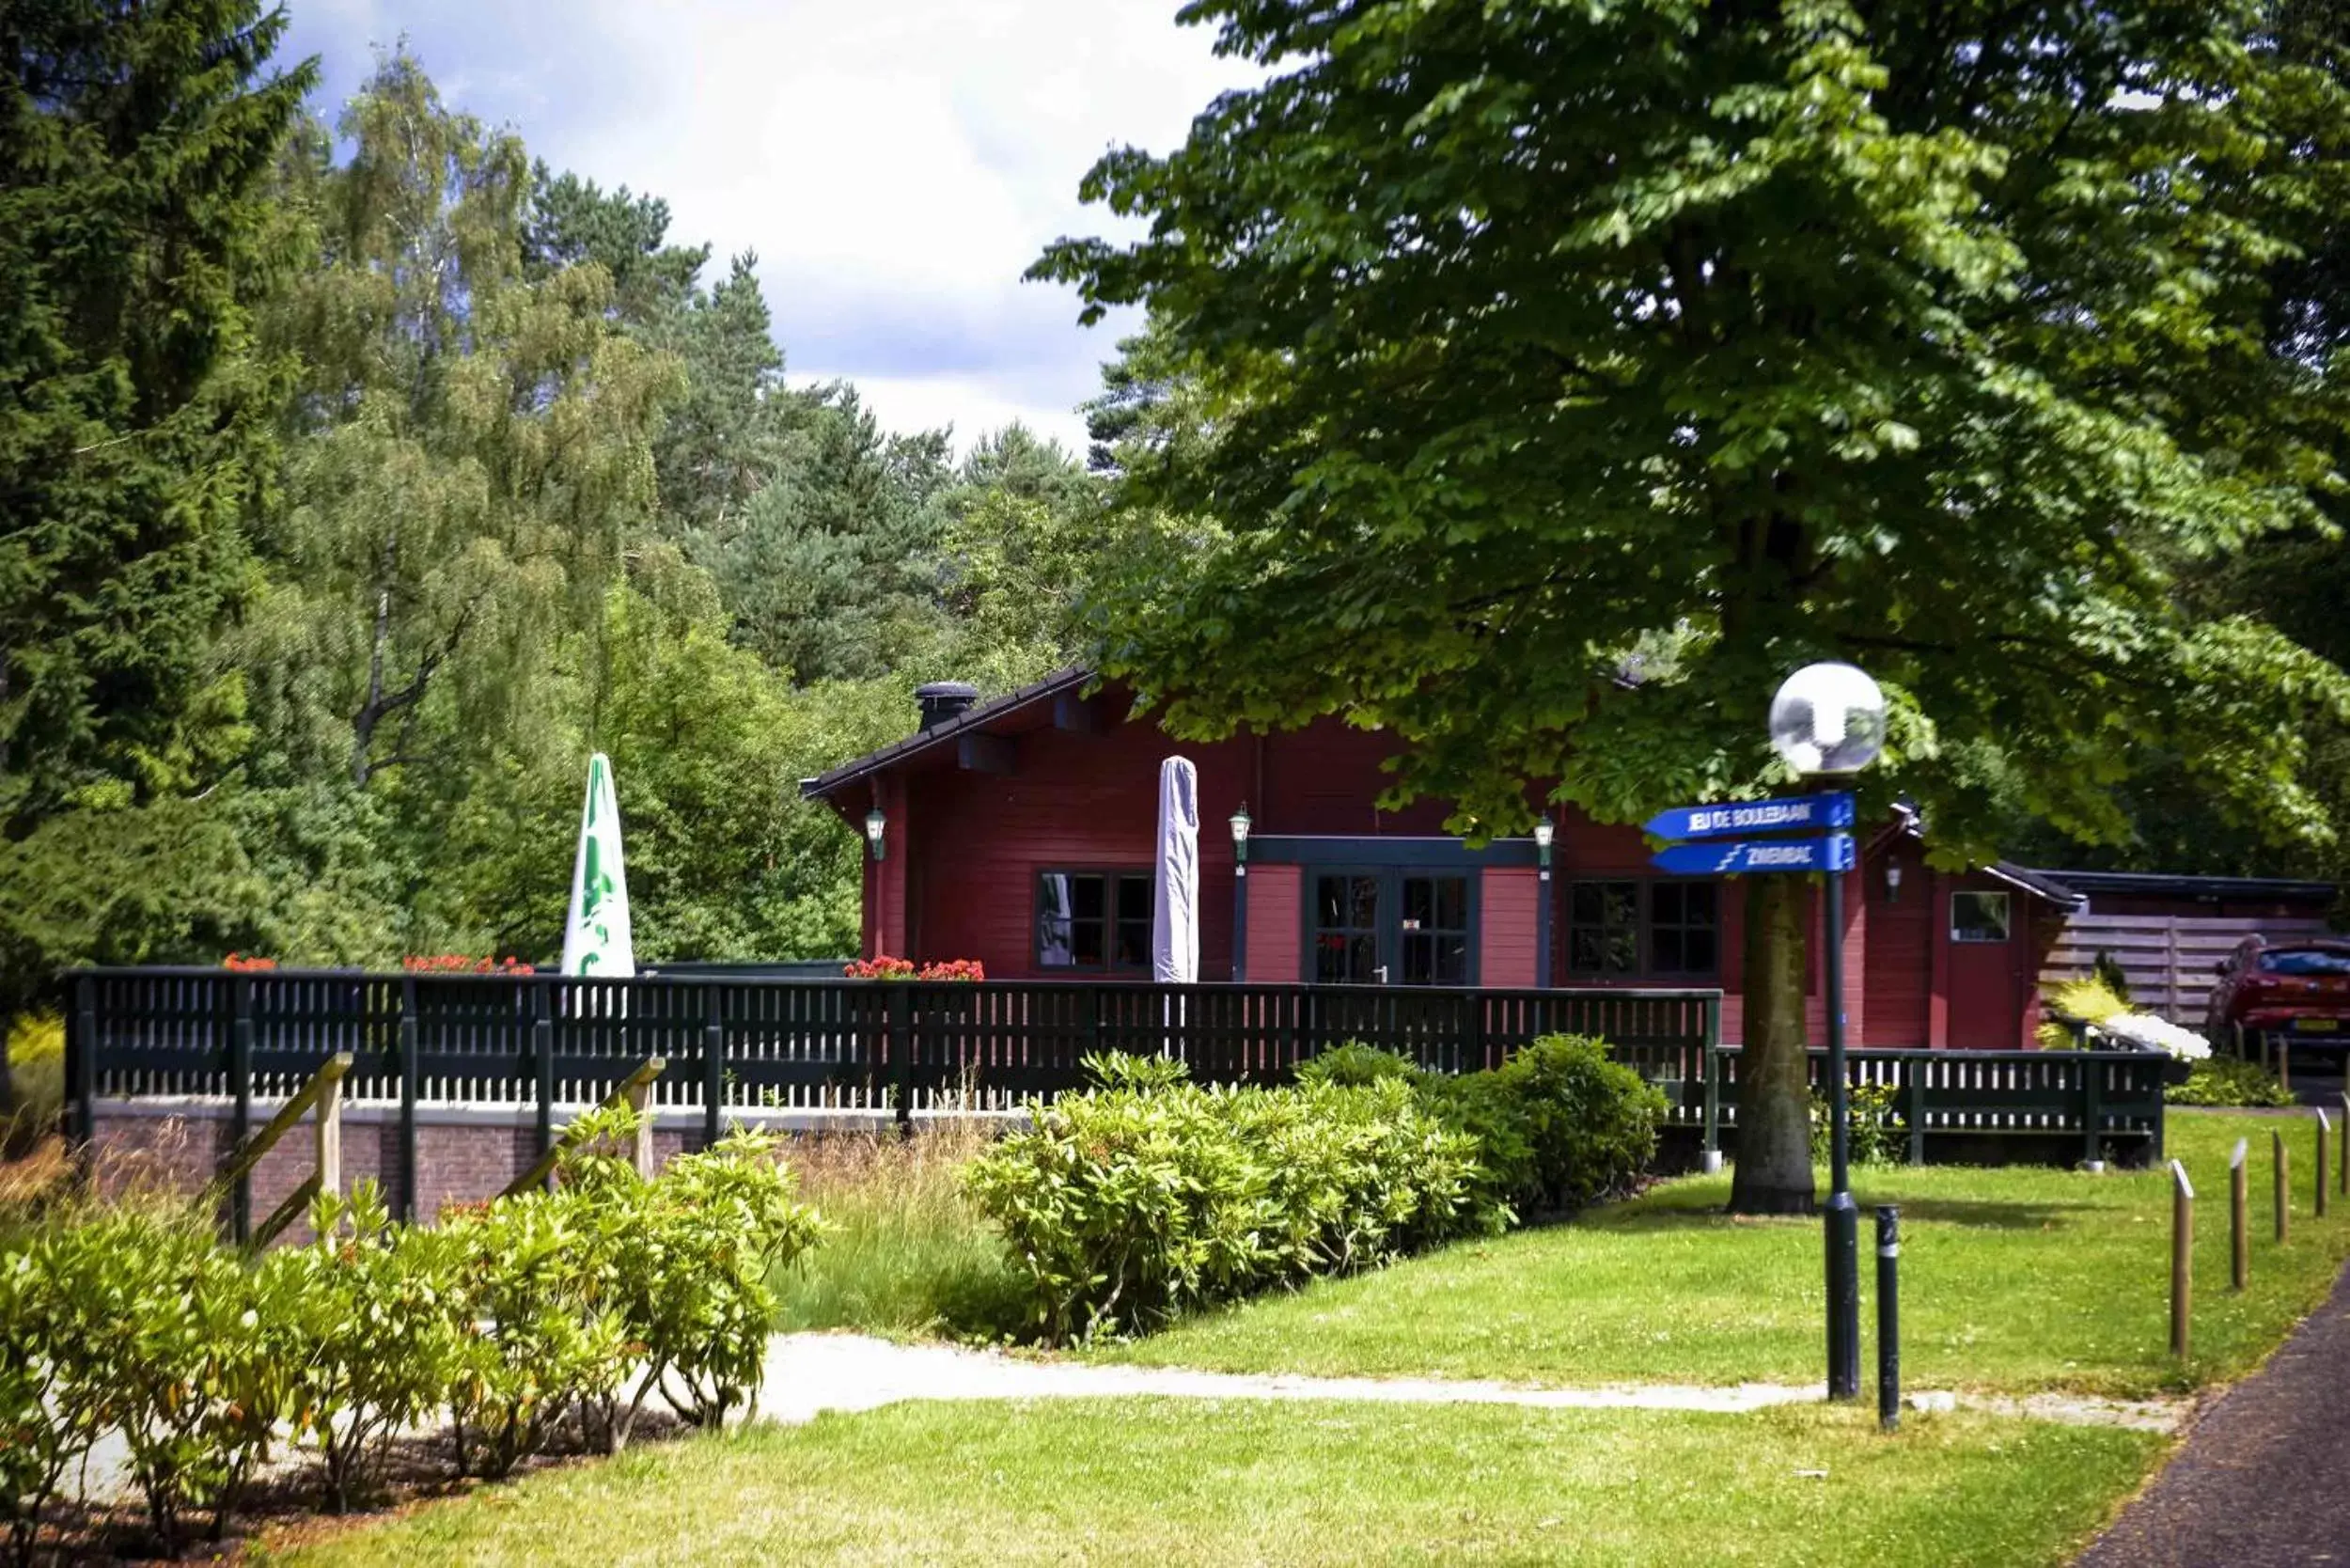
(896, 164)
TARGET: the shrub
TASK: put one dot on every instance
(537, 1336)
(2229, 1081)
(371, 1328)
(1356, 1064)
(57, 1286)
(1880, 1133)
(691, 1255)
(1559, 1125)
(1149, 1195)
(1589, 1125)
(195, 1352)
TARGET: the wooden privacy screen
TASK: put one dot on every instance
(736, 1044)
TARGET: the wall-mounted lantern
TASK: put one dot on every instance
(1893, 880)
(1240, 893)
(875, 824)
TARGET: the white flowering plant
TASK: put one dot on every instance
(2143, 1032)
(2095, 1015)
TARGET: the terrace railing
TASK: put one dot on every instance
(734, 1043)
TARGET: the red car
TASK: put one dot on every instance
(2297, 991)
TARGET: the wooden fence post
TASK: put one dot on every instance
(409, 1086)
(901, 1051)
(82, 1059)
(2282, 1195)
(713, 1067)
(543, 1059)
(2093, 1108)
(542, 1173)
(2182, 1257)
(2239, 1201)
(1915, 1069)
(240, 1086)
(2324, 1148)
(326, 1125)
(325, 1092)
(638, 1093)
(1711, 1048)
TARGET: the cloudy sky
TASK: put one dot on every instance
(895, 163)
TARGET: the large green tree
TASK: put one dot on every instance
(137, 237)
(1534, 338)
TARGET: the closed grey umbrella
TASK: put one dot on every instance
(1175, 878)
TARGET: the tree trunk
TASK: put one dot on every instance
(1773, 1174)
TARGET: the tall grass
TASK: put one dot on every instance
(907, 1254)
(37, 1075)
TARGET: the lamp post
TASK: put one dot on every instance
(1543, 834)
(1827, 723)
(1240, 821)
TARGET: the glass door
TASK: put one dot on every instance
(1347, 910)
(1433, 932)
(1391, 926)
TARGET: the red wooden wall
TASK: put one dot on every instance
(1510, 897)
(1277, 915)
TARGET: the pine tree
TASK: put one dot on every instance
(135, 239)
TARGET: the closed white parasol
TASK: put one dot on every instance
(1175, 882)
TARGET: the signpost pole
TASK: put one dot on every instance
(1843, 1213)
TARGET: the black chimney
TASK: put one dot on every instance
(943, 700)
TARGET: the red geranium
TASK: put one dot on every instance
(884, 967)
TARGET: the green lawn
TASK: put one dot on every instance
(1167, 1481)
(2012, 1279)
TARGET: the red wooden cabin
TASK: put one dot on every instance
(1018, 832)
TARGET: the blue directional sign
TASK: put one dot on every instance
(1822, 852)
(1833, 810)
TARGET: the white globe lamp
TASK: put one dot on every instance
(1827, 719)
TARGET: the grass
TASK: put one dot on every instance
(37, 1076)
(1125, 1480)
(2012, 1280)
(907, 1255)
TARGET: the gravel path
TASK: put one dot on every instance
(2263, 1477)
(807, 1373)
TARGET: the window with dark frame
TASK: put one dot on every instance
(1098, 920)
(1979, 916)
(1604, 928)
(1623, 928)
(1682, 929)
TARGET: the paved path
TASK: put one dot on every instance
(806, 1374)
(2263, 1477)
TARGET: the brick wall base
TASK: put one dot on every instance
(464, 1154)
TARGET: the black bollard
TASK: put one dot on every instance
(1888, 1318)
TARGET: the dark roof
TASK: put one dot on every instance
(2166, 884)
(2039, 884)
(977, 717)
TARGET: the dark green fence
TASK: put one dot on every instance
(738, 1041)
